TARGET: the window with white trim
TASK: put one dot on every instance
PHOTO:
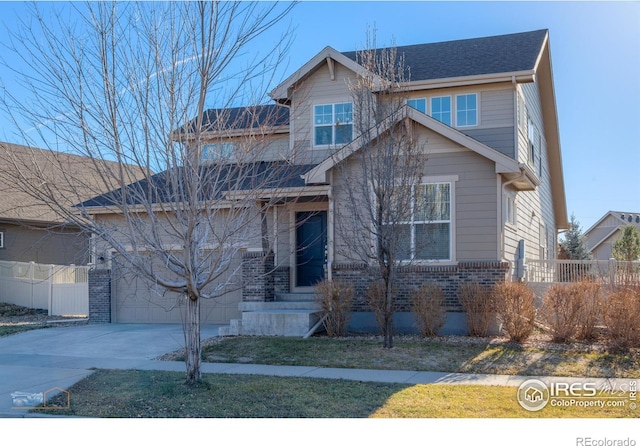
(221, 151)
(542, 242)
(522, 115)
(441, 109)
(466, 110)
(427, 232)
(332, 124)
(1, 239)
(418, 104)
(510, 212)
(535, 143)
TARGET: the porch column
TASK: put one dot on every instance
(257, 276)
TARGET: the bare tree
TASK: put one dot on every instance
(128, 86)
(379, 179)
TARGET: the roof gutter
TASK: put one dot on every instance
(526, 76)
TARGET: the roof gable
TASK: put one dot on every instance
(504, 164)
(506, 54)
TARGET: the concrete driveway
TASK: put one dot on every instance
(38, 360)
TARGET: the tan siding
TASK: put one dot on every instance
(475, 197)
(535, 208)
(27, 244)
(497, 108)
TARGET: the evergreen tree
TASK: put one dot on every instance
(627, 247)
(574, 244)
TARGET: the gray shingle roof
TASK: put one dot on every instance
(236, 118)
(167, 187)
(471, 57)
(68, 178)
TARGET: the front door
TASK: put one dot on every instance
(311, 242)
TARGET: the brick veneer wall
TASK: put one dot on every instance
(99, 296)
(281, 279)
(449, 278)
(257, 277)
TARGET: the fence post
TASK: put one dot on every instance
(30, 269)
(50, 289)
(612, 271)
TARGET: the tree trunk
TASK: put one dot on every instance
(192, 338)
(388, 310)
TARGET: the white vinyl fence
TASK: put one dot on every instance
(564, 271)
(62, 290)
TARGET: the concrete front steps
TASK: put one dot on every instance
(291, 314)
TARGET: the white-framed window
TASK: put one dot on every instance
(220, 151)
(466, 110)
(535, 149)
(1, 239)
(510, 211)
(441, 109)
(427, 232)
(419, 104)
(542, 241)
(522, 115)
(332, 124)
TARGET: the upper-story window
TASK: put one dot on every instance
(333, 124)
(467, 110)
(418, 104)
(222, 151)
(441, 109)
(535, 147)
(1, 239)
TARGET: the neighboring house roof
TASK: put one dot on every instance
(621, 220)
(82, 182)
(167, 187)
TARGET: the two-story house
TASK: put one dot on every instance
(483, 109)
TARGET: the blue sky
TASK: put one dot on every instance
(595, 50)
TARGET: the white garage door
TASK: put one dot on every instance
(134, 301)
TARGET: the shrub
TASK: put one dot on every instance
(335, 298)
(572, 310)
(561, 309)
(427, 302)
(477, 303)
(590, 313)
(622, 316)
(375, 297)
(516, 309)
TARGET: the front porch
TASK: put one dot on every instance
(271, 308)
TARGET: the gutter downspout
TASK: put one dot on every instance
(502, 234)
(330, 228)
